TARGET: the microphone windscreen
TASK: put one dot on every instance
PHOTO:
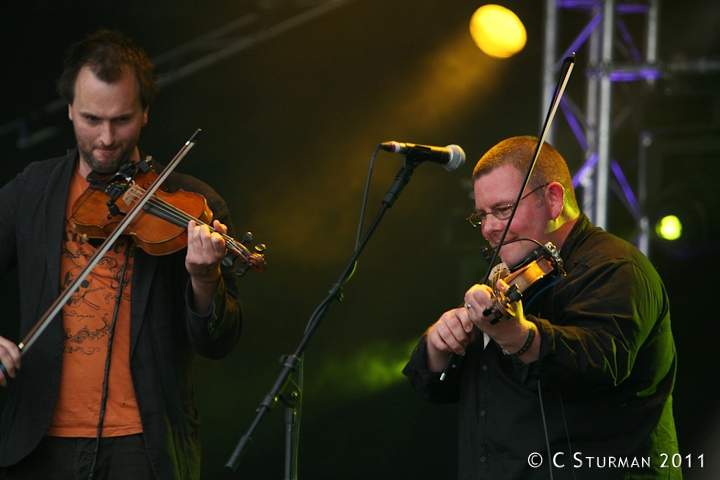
(457, 158)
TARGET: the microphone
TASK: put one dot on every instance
(451, 157)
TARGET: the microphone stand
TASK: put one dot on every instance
(292, 400)
(290, 362)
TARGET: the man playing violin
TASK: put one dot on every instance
(575, 380)
(106, 390)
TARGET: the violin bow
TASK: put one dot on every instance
(57, 305)
(566, 70)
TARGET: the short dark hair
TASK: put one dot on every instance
(519, 152)
(109, 54)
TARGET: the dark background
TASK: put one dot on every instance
(290, 119)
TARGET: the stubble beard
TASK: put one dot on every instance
(106, 167)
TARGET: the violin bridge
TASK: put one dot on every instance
(132, 194)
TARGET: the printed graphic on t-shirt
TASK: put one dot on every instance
(87, 318)
(88, 313)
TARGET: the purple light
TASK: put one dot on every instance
(580, 4)
(627, 190)
(589, 164)
(581, 38)
(632, 76)
(622, 8)
(625, 33)
(574, 124)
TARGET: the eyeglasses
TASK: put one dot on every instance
(501, 212)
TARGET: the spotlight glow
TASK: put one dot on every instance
(669, 228)
(369, 369)
(497, 31)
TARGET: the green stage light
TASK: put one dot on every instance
(365, 370)
(669, 228)
(680, 218)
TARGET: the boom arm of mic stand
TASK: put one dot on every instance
(401, 179)
(290, 363)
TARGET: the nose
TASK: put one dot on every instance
(107, 133)
(491, 224)
(492, 228)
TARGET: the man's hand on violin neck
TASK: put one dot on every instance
(510, 332)
(205, 251)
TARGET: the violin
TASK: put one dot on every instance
(161, 227)
(542, 264)
(138, 202)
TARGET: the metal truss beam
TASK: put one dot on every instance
(605, 33)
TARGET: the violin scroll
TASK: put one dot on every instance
(254, 261)
(546, 264)
(502, 304)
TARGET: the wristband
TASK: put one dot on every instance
(526, 345)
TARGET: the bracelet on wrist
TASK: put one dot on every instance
(525, 346)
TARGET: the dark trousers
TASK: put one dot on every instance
(119, 458)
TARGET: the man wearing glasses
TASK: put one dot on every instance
(575, 381)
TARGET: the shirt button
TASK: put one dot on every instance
(484, 367)
(482, 413)
(482, 459)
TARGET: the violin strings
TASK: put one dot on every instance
(180, 218)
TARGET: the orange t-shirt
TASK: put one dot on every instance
(87, 318)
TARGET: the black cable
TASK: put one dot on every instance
(567, 434)
(545, 429)
(103, 401)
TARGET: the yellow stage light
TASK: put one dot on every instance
(497, 31)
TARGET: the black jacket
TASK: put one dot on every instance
(165, 333)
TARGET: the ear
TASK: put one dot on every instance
(70, 112)
(145, 116)
(555, 199)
